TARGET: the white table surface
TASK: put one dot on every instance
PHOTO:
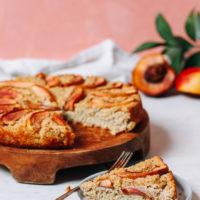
(175, 136)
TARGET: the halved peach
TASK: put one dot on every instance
(153, 75)
(188, 81)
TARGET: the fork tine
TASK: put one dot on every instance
(121, 161)
(127, 160)
(118, 160)
(120, 164)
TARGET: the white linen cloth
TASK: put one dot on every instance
(175, 121)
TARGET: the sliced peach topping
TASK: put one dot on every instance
(4, 108)
(114, 92)
(64, 80)
(134, 191)
(94, 81)
(8, 92)
(41, 75)
(114, 85)
(134, 175)
(58, 119)
(43, 92)
(53, 81)
(110, 103)
(76, 79)
(38, 117)
(13, 116)
(74, 97)
(7, 101)
(106, 183)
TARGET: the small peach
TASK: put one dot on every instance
(153, 75)
(188, 81)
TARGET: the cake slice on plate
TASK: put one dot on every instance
(147, 180)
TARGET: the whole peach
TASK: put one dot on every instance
(188, 81)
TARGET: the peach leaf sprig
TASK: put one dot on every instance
(181, 52)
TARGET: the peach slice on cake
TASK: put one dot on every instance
(74, 97)
(93, 82)
(64, 80)
(26, 94)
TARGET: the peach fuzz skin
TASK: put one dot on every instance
(188, 81)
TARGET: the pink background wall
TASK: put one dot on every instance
(60, 28)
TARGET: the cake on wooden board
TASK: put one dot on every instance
(55, 100)
(147, 180)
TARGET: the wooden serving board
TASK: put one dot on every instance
(93, 146)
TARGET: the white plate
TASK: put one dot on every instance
(184, 190)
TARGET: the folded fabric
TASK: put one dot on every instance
(104, 59)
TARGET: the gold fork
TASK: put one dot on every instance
(120, 162)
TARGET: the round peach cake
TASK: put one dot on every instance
(35, 110)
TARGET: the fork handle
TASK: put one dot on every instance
(68, 193)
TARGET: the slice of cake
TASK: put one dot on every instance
(148, 180)
(35, 128)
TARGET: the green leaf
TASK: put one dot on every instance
(189, 26)
(164, 29)
(182, 43)
(193, 60)
(147, 45)
(192, 25)
(175, 56)
(197, 25)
